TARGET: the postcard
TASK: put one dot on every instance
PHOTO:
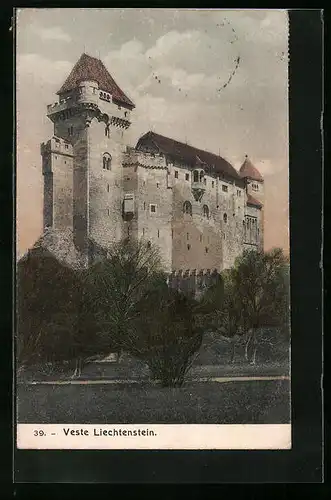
(153, 268)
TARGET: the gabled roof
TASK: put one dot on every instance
(247, 169)
(188, 154)
(91, 68)
(253, 201)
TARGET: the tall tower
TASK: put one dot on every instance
(255, 196)
(82, 163)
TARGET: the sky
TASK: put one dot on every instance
(216, 79)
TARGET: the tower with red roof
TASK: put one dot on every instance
(254, 217)
(82, 162)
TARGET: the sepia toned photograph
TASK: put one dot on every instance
(152, 230)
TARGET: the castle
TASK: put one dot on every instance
(192, 204)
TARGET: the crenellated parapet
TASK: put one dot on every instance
(192, 280)
(142, 159)
(57, 145)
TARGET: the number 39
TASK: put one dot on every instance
(38, 433)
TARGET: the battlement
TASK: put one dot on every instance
(193, 280)
(57, 145)
(148, 160)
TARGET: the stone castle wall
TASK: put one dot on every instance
(82, 195)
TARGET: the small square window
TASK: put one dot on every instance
(66, 146)
(224, 188)
(153, 209)
(176, 174)
(187, 177)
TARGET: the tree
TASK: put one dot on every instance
(261, 285)
(116, 284)
(45, 287)
(167, 333)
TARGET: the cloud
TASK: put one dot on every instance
(41, 69)
(53, 33)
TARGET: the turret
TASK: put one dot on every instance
(254, 218)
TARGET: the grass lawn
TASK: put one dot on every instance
(195, 403)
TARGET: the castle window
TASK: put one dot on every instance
(212, 183)
(125, 113)
(225, 218)
(66, 146)
(143, 231)
(224, 188)
(200, 237)
(158, 233)
(107, 130)
(70, 130)
(157, 185)
(205, 180)
(153, 209)
(187, 177)
(196, 176)
(108, 211)
(187, 208)
(106, 161)
(65, 162)
(144, 205)
(188, 246)
(238, 192)
(223, 236)
(201, 176)
(176, 174)
(206, 249)
(205, 211)
(108, 188)
(119, 107)
(149, 244)
(172, 234)
(187, 236)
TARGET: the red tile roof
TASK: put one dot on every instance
(247, 169)
(90, 68)
(253, 201)
(188, 154)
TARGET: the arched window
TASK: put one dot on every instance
(225, 218)
(187, 208)
(205, 211)
(195, 176)
(106, 161)
(201, 175)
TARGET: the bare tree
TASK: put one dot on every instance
(116, 284)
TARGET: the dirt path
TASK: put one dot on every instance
(121, 381)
